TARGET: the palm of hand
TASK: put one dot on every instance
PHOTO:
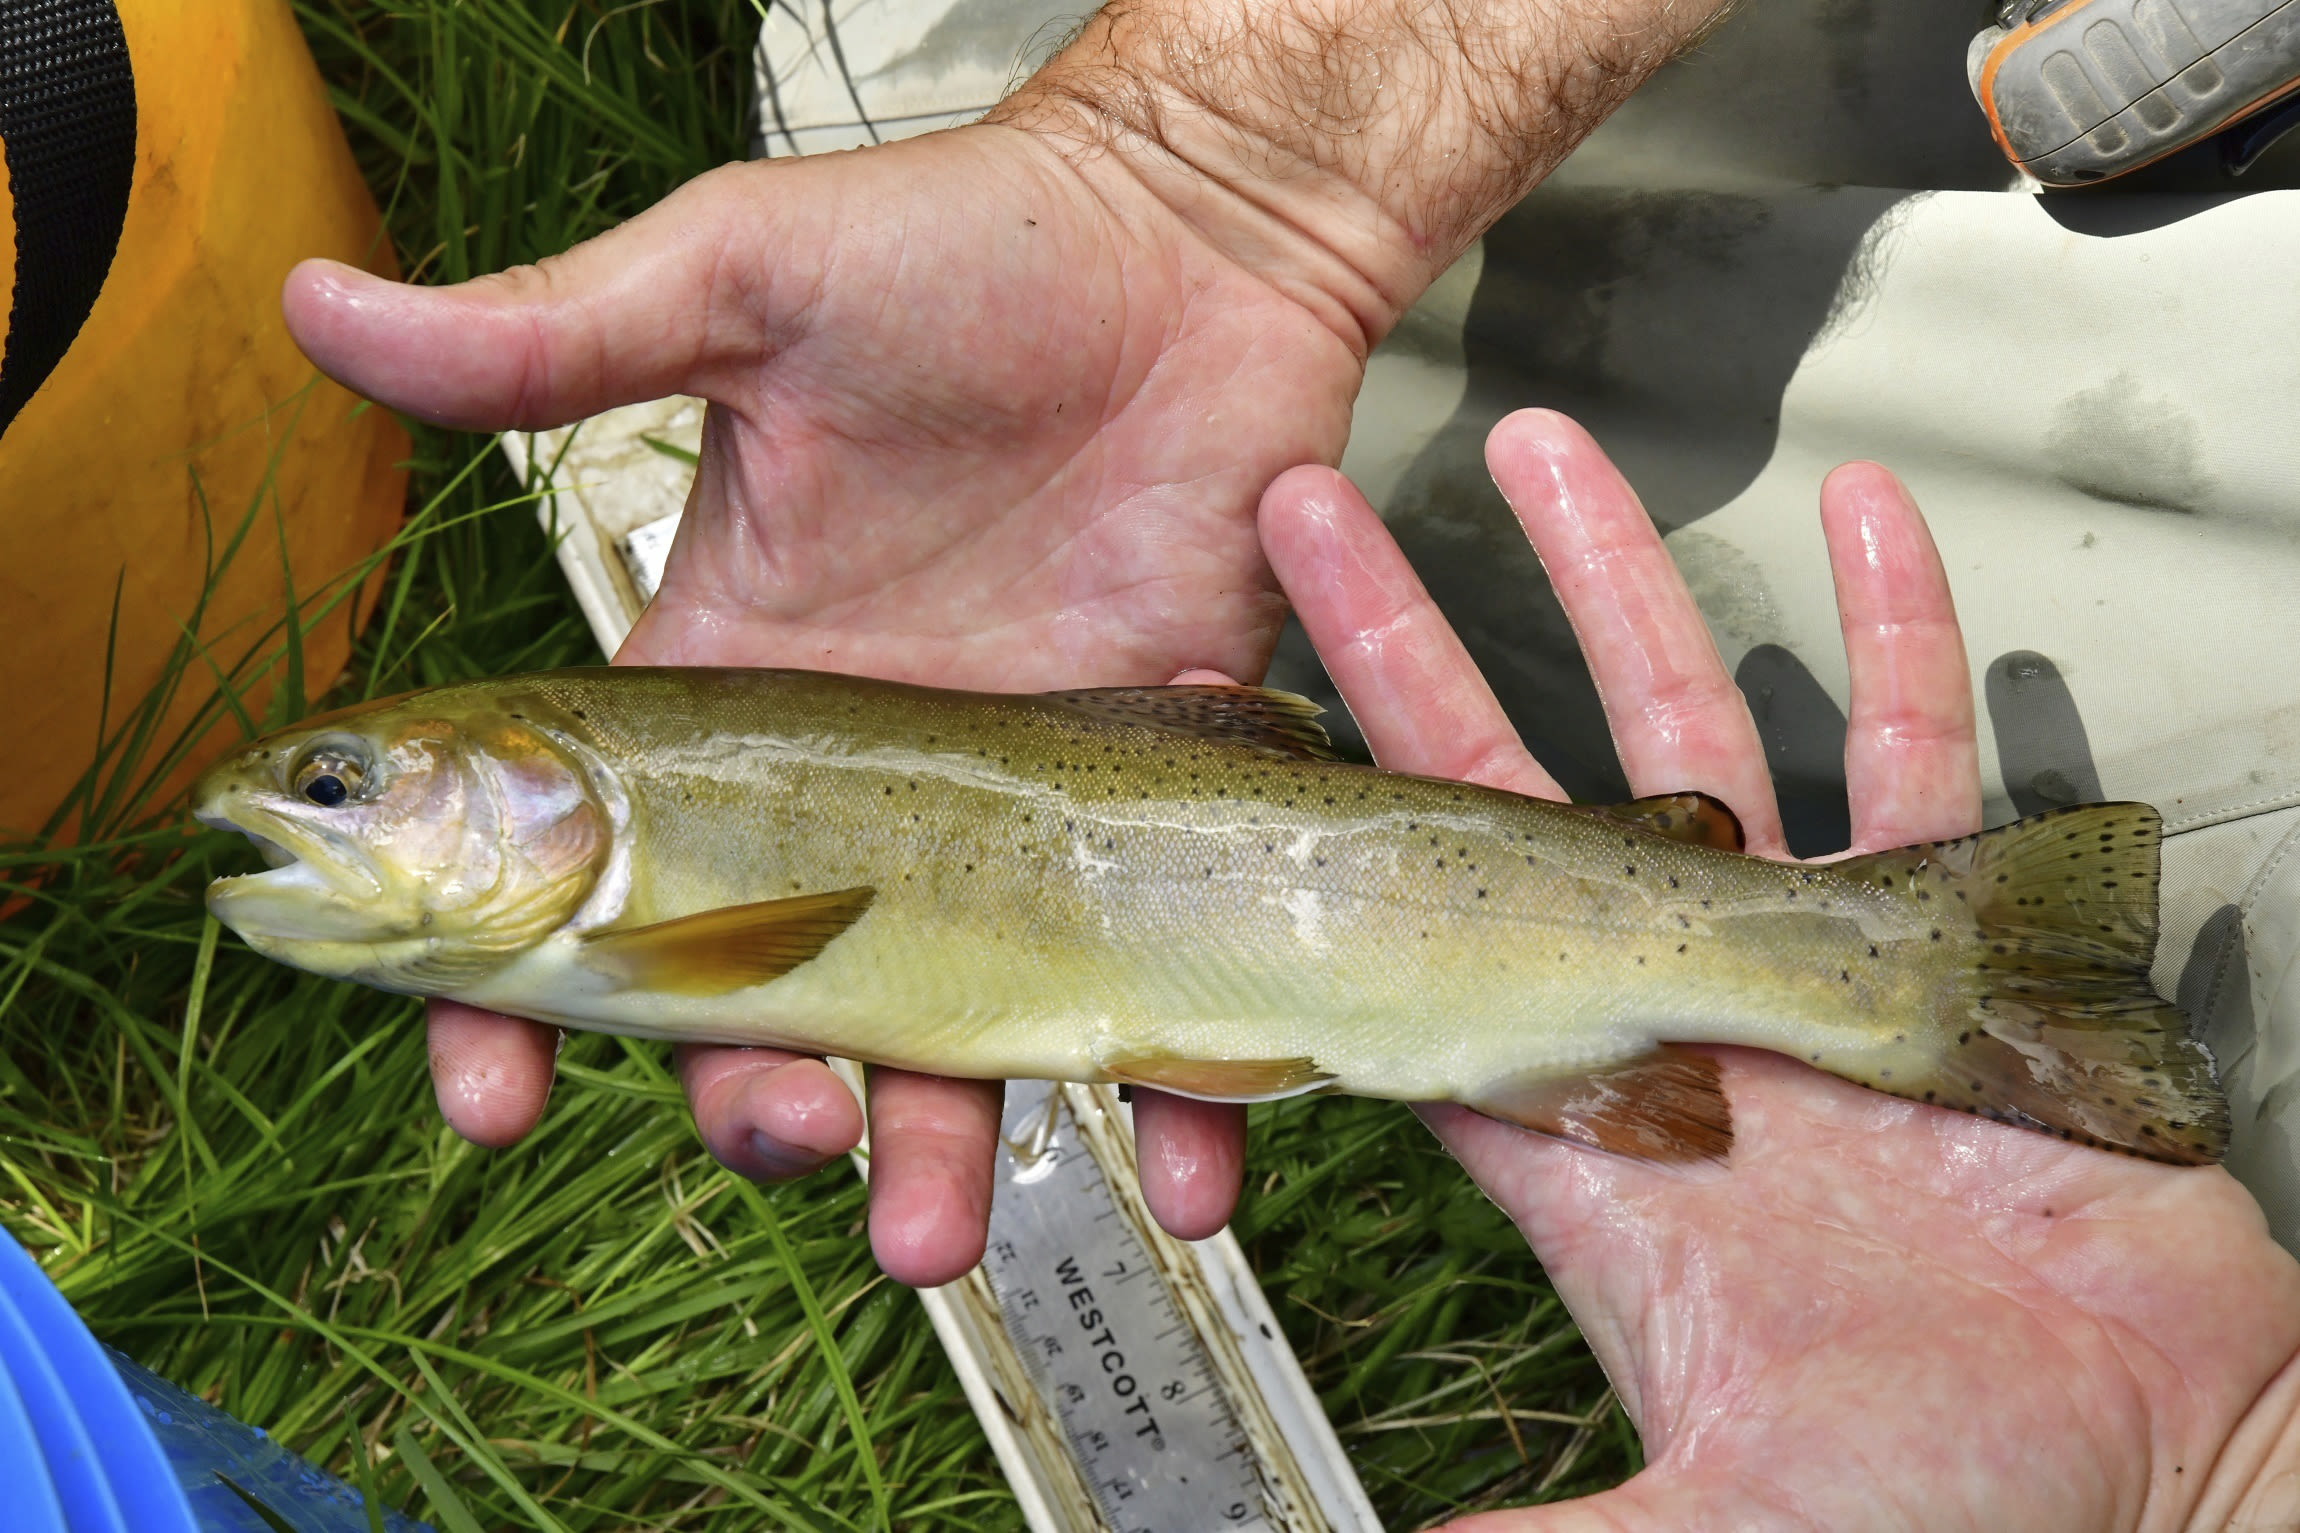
(1886, 1317)
(1879, 1315)
(1011, 444)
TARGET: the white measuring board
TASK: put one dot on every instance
(1128, 1382)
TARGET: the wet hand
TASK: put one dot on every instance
(1878, 1315)
(980, 416)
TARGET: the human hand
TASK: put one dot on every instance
(1879, 1314)
(1008, 440)
(992, 409)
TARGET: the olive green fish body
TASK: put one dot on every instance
(1168, 886)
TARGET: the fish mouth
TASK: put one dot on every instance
(302, 857)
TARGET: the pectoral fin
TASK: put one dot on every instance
(730, 949)
(1219, 1080)
(1663, 1106)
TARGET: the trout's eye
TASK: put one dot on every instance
(328, 775)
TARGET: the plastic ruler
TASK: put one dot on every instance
(1128, 1381)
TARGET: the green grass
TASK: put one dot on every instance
(237, 1174)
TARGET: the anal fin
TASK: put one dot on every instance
(1662, 1106)
(718, 951)
(1219, 1080)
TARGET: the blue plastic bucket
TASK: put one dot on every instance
(90, 1442)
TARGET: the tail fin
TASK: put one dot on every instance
(2058, 1028)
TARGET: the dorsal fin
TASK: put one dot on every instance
(733, 948)
(1276, 723)
(1694, 818)
(1665, 1106)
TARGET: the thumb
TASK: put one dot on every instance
(639, 312)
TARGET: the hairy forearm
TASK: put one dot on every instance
(1352, 147)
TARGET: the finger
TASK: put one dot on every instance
(1410, 685)
(765, 1114)
(1911, 766)
(1678, 721)
(491, 1074)
(642, 311)
(931, 1143)
(1193, 1158)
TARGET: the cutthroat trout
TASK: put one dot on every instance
(1179, 887)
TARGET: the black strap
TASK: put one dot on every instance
(68, 124)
